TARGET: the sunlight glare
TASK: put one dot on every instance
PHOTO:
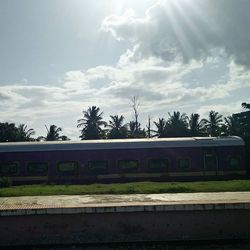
(181, 15)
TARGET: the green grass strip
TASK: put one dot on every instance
(128, 188)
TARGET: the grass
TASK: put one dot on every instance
(127, 188)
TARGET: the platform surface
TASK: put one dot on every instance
(123, 200)
(82, 219)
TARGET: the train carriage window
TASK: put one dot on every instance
(184, 163)
(158, 164)
(37, 167)
(98, 165)
(9, 168)
(67, 166)
(128, 164)
(210, 161)
(234, 162)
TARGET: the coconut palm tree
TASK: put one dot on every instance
(91, 123)
(161, 126)
(24, 134)
(213, 123)
(232, 126)
(196, 126)
(117, 130)
(177, 125)
(53, 134)
(135, 130)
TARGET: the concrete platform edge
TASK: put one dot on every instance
(117, 208)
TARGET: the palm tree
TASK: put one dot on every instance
(117, 130)
(161, 126)
(24, 134)
(135, 130)
(196, 127)
(213, 123)
(53, 134)
(177, 125)
(232, 126)
(91, 123)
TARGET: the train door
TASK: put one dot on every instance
(210, 162)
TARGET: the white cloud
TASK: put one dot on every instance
(75, 80)
(159, 86)
(176, 47)
(224, 109)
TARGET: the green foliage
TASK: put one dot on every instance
(24, 134)
(117, 130)
(135, 130)
(128, 188)
(196, 126)
(213, 123)
(10, 133)
(53, 134)
(177, 125)
(91, 123)
(232, 126)
(243, 120)
(161, 127)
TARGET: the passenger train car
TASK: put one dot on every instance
(107, 161)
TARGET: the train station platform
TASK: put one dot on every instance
(67, 219)
(95, 203)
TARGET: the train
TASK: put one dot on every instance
(123, 160)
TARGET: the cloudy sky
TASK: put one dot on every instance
(58, 57)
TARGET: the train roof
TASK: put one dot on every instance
(122, 144)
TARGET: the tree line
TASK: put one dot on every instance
(9, 132)
(176, 124)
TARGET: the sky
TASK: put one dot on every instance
(59, 57)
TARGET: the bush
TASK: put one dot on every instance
(5, 182)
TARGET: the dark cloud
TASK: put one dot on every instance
(152, 75)
(127, 92)
(187, 29)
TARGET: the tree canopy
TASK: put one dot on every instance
(91, 124)
(177, 124)
(53, 134)
(117, 128)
